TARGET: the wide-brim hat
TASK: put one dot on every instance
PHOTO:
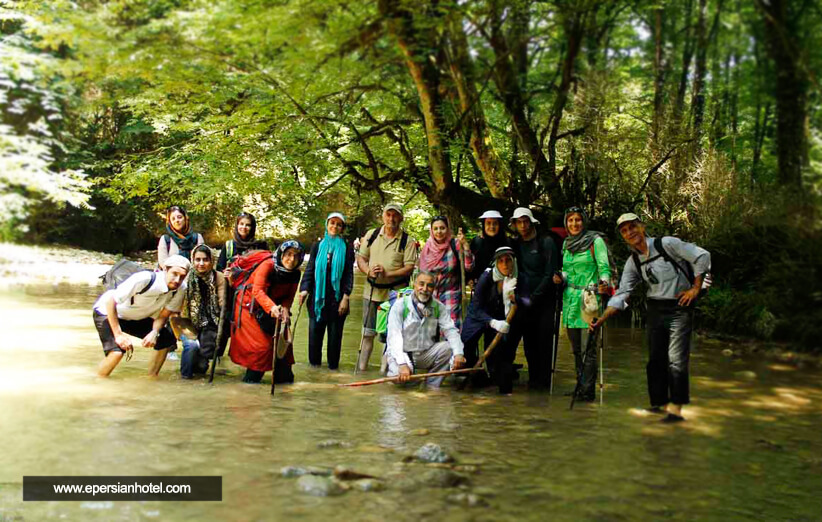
(523, 212)
(491, 214)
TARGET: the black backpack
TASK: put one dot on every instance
(122, 270)
(687, 270)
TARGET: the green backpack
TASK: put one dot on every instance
(385, 308)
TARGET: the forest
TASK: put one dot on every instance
(703, 116)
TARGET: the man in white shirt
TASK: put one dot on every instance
(414, 325)
(140, 306)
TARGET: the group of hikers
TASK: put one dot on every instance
(519, 284)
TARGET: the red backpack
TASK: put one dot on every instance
(240, 270)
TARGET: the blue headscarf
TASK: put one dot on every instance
(334, 245)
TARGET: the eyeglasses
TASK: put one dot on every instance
(651, 277)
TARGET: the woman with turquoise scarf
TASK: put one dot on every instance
(585, 267)
(327, 286)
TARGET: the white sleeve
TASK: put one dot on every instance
(449, 329)
(394, 333)
(132, 286)
(175, 304)
(162, 251)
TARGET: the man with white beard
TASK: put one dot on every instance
(414, 326)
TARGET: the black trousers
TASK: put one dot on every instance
(669, 329)
(316, 332)
(586, 373)
(500, 362)
(536, 329)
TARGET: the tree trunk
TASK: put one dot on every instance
(791, 90)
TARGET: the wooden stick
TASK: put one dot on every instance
(277, 326)
(412, 377)
(494, 343)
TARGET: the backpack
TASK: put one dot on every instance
(122, 270)
(240, 273)
(401, 247)
(687, 271)
(385, 308)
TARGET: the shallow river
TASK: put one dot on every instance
(750, 450)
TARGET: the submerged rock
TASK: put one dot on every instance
(344, 473)
(369, 484)
(326, 444)
(433, 453)
(296, 471)
(746, 374)
(421, 432)
(319, 486)
(468, 499)
(443, 478)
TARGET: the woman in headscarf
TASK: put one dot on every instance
(178, 239)
(440, 256)
(273, 285)
(487, 242)
(245, 230)
(585, 270)
(204, 300)
(494, 294)
(327, 284)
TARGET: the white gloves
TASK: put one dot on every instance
(500, 326)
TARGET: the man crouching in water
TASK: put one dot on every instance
(414, 326)
(140, 306)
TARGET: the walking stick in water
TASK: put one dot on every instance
(220, 329)
(365, 322)
(592, 339)
(412, 377)
(601, 367)
(277, 326)
(462, 283)
(557, 315)
(494, 343)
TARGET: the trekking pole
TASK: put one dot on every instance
(365, 322)
(220, 329)
(277, 325)
(592, 338)
(601, 366)
(462, 283)
(557, 316)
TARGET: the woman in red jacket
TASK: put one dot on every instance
(272, 289)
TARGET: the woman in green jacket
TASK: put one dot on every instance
(585, 267)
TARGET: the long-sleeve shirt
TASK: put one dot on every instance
(167, 247)
(309, 280)
(418, 331)
(670, 280)
(578, 271)
(538, 260)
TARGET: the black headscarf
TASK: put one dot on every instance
(284, 275)
(249, 242)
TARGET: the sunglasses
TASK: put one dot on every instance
(572, 210)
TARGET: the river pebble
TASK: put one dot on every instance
(319, 486)
(369, 485)
(328, 444)
(433, 453)
(444, 478)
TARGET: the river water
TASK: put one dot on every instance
(750, 450)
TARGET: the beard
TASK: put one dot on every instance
(423, 297)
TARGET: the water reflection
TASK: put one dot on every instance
(750, 448)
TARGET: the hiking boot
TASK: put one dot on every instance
(672, 418)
